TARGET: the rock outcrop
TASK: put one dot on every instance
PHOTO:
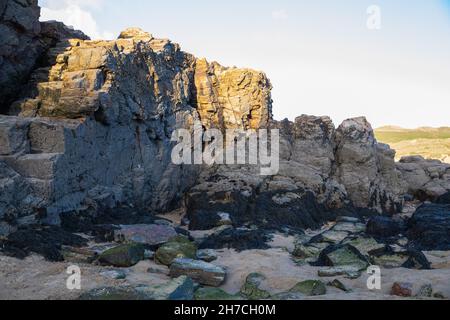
(425, 179)
(91, 128)
(95, 124)
(24, 40)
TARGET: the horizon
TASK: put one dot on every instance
(320, 61)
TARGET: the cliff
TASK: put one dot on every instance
(91, 127)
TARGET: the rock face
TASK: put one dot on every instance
(24, 41)
(91, 128)
(425, 179)
(231, 97)
(95, 124)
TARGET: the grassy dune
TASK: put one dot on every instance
(431, 143)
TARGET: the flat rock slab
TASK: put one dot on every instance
(148, 234)
(199, 271)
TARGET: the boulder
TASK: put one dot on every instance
(342, 255)
(123, 256)
(384, 227)
(207, 255)
(429, 227)
(240, 239)
(175, 248)
(425, 179)
(310, 288)
(150, 235)
(48, 241)
(251, 287)
(367, 169)
(199, 271)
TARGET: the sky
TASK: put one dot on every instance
(323, 57)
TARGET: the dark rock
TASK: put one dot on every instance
(86, 220)
(273, 210)
(240, 239)
(123, 256)
(429, 228)
(384, 227)
(444, 199)
(417, 260)
(44, 240)
(146, 234)
(342, 255)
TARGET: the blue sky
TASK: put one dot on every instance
(320, 56)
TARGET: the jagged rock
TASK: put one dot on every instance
(215, 294)
(310, 288)
(199, 271)
(24, 41)
(402, 289)
(231, 97)
(342, 255)
(177, 247)
(47, 241)
(240, 239)
(444, 199)
(429, 227)
(251, 287)
(207, 255)
(404, 259)
(366, 245)
(425, 179)
(123, 256)
(366, 168)
(384, 227)
(151, 235)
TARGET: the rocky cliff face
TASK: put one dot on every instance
(92, 126)
(23, 42)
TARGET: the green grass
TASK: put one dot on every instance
(395, 135)
(431, 143)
